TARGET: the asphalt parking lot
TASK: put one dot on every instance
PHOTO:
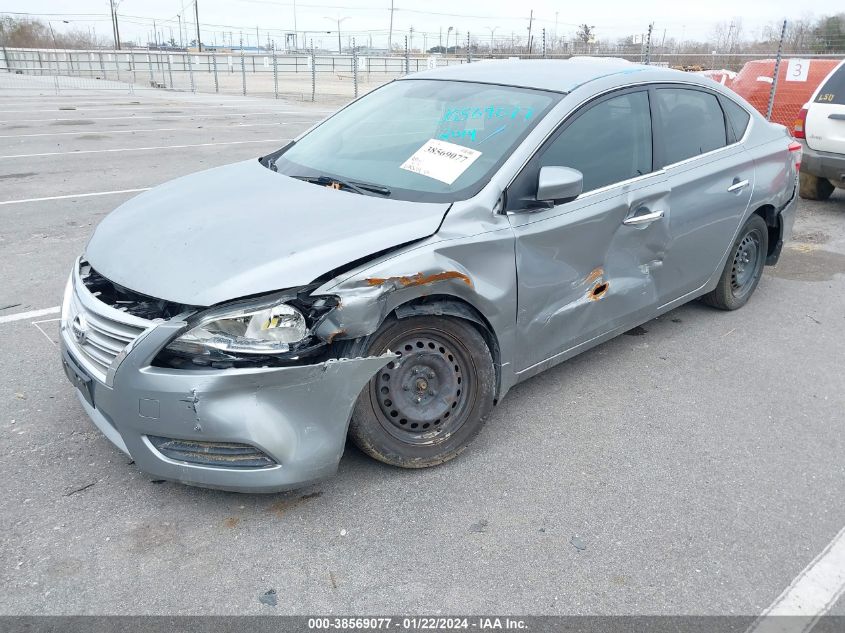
(693, 466)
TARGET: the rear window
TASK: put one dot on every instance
(738, 117)
(693, 123)
(833, 90)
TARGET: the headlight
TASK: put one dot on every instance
(246, 331)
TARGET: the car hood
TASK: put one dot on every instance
(241, 230)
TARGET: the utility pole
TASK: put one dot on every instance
(530, 23)
(257, 41)
(411, 44)
(390, 32)
(181, 41)
(339, 20)
(197, 15)
(115, 27)
(295, 35)
(492, 30)
(441, 39)
(113, 32)
(648, 45)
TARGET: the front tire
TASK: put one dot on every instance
(814, 188)
(425, 407)
(744, 267)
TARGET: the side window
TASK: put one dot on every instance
(692, 123)
(738, 118)
(833, 90)
(610, 142)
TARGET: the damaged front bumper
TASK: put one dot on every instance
(249, 430)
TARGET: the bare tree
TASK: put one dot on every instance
(29, 33)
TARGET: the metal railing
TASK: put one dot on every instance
(307, 76)
(770, 85)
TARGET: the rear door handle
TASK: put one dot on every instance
(836, 116)
(645, 218)
(738, 185)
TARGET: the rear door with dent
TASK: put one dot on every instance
(711, 177)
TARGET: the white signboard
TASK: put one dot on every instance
(432, 63)
(798, 70)
(441, 160)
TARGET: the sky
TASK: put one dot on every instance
(365, 19)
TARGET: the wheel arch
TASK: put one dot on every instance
(774, 224)
(456, 307)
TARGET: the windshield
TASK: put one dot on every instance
(420, 140)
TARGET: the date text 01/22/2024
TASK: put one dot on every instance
(419, 623)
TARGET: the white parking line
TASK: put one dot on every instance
(172, 106)
(74, 195)
(234, 126)
(143, 149)
(164, 117)
(37, 324)
(812, 594)
(22, 316)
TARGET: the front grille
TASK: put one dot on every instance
(97, 338)
(95, 331)
(220, 454)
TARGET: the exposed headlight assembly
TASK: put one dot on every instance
(248, 330)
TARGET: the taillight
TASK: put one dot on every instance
(797, 151)
(798, 128)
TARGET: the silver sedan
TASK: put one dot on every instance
(393, 272)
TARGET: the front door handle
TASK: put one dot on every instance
(738, 185)
(645, 218)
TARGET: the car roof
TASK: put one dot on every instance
(558, 75)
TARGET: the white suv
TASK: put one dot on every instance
(821, 128)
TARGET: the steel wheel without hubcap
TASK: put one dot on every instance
(747, 261)
(424, 407)
(744, 267)
(422, 395)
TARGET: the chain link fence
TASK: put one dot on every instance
(309, 77)
(776, 85)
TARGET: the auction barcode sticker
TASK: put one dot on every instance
(441, 160)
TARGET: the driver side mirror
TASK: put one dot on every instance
(559, 184)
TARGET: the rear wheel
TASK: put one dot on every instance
(744, 267)
(425, 407)
(813, 187)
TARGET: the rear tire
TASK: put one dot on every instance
(425, 407)
(744, 267)
(813, 187)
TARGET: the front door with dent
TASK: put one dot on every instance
(584, 266)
